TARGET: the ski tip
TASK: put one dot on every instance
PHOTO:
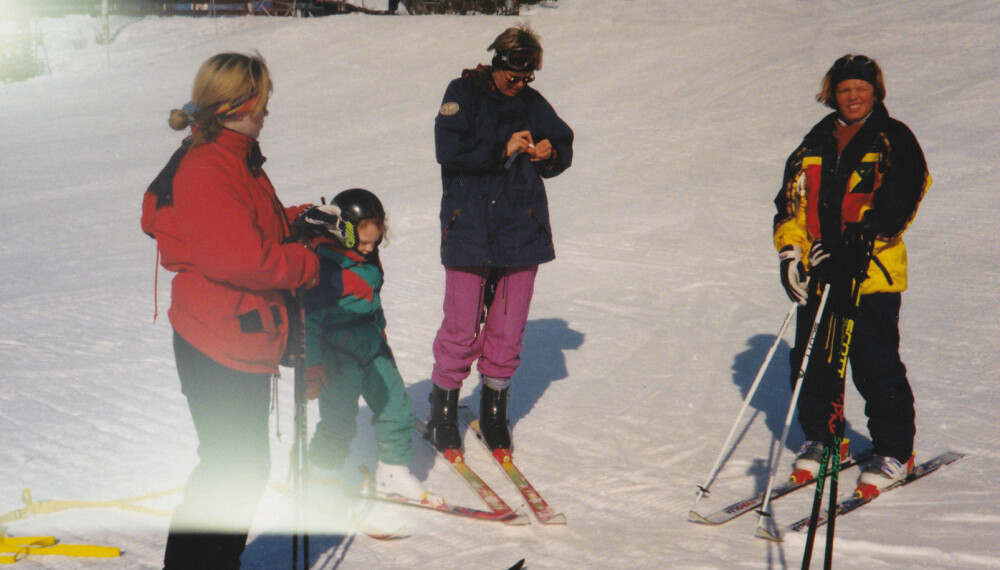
(383, 536)
(697, 518)
(557, 518)
(521, 519)
(518, 566)
(762, 533)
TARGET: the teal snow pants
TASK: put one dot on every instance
(359, 363)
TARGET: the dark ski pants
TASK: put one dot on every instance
(230, 412)
(876, 368)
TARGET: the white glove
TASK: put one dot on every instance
(817, 253)
(325, 219)
(793, 273)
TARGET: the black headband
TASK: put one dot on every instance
(853, 67)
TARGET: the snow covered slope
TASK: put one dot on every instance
(645, 332)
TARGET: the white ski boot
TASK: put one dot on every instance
(398, 480)
(806, 466)
(880, 473)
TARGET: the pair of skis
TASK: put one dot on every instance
(499, 510)
(845, 506)
(503, 459)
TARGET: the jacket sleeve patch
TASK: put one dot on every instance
(450, 108)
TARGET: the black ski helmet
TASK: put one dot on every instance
(355, 205)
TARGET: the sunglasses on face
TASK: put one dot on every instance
(515, 79)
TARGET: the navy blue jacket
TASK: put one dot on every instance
(493, 215)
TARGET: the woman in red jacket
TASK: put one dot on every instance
(221, 228)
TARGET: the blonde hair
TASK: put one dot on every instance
(382, 223)
(828, 88)
(227, 86)
(518, 37)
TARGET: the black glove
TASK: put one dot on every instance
(845, 266)
(793, 273)
(856, 251)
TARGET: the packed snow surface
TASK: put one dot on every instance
(645, 332)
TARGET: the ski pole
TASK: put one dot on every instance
(837, 423)
(703, 489)
(831, 454)
(832, 512)
(299, 445)
(858, 243)
(760, 532)
(828, 451)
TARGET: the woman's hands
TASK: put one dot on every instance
(521, 142)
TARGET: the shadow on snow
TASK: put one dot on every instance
(771, 400)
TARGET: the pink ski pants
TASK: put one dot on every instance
(497, 346)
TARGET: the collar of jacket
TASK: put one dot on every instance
(481, 77)
(163, 184)
(332, 250)
(242, 145)
(824, 128)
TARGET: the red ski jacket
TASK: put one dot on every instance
(224, 236)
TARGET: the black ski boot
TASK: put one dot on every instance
(442, 425)
(493, 418)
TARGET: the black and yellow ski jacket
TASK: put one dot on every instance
(879, 179)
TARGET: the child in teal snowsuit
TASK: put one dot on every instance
(347, 354)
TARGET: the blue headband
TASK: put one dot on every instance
(190, 108)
